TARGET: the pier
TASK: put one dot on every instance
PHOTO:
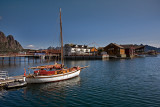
(14, 57)
(11, 80)
(91, 57)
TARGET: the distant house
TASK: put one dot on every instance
(73, 49)
(139, 49)
(132, 50)
(33, 51)
(51, 51)
(114, 50)
(152, 52)
(129, 50)
(44, 52)
(93, 50)
(100, 50)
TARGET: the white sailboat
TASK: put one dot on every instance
(56, 72)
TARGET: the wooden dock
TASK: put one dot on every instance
(10, 80)
(26, 55)
(13, 57)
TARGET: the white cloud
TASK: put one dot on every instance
(30, 46)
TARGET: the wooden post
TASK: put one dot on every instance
(28, 58)
(40, 58)
(14, 59)
(49, 58)
(36, 60)
(33, 59)
(24, 59)
(9, 59)
(2, 60)
(19, 58)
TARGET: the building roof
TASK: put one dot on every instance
(128, 46)
(116, 45)
(132, 46)
(93, 49)
(76, 46)
(140, 46)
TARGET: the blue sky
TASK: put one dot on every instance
(35, 23)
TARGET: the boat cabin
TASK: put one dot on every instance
(51, 70)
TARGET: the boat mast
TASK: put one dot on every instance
(62, 59)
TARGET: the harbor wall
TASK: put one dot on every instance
(84, 57)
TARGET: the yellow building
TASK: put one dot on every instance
(93, 49)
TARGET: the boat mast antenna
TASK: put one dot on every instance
(62, 59)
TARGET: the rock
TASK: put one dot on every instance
(8, 44)
(18, 45)
(3, 38)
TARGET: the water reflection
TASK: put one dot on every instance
(50, 93)
(2, 93)
(71, 63)
(54, 86)
(113, 82)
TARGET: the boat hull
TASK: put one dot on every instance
(52, 78)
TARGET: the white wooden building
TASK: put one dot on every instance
(73, 49)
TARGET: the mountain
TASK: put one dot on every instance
(148, 48)
(54, 48)
(8, 44)
(51, 47)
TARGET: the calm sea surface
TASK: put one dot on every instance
(110, 83)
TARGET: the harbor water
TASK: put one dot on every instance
(106, 83)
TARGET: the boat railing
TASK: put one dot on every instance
(3, 75)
